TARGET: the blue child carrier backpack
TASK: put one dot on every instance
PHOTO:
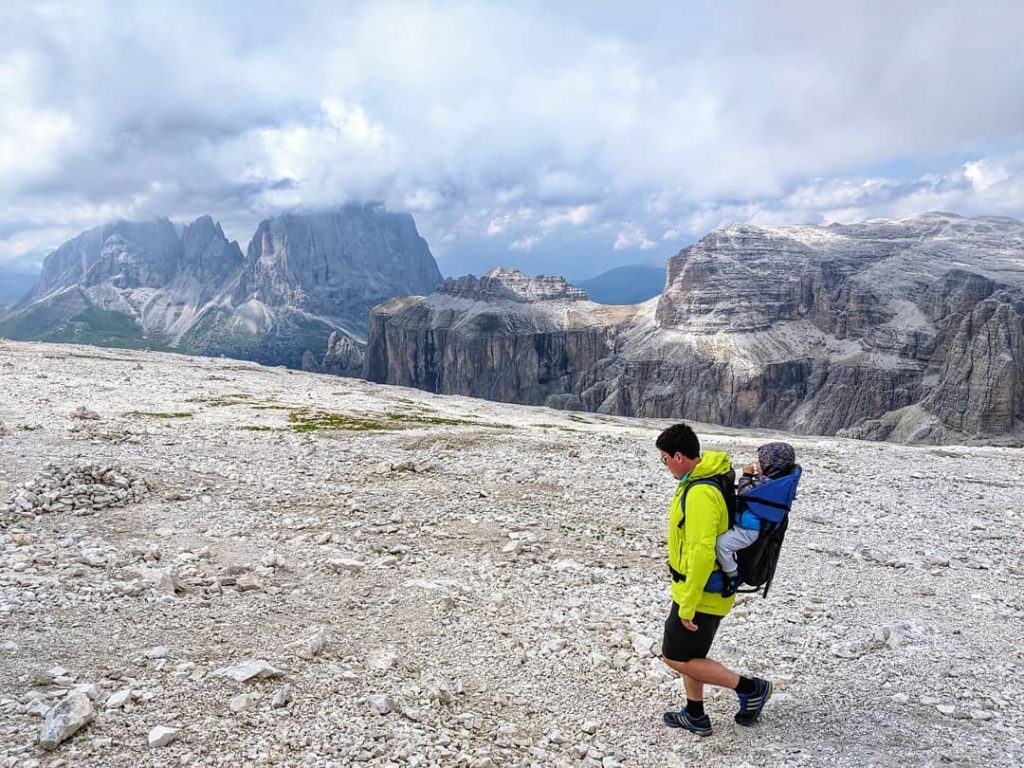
(770, 504)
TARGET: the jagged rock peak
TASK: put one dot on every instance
(139, 254)
(512, 285)
(339, 262)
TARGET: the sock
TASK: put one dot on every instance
(746, 685)
(694, 708)
(732, 574)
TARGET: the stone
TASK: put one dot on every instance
(380, 703)
(242, 702)
(65, 719)
(248, 582)
(162, 735)
(119, 698)
(157, 652)
(88, 689)
(643, 645)
(249, 670)
(314, 644)
(282, 697)
(272, 560)
(345, 565)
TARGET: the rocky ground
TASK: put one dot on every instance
(208, 562)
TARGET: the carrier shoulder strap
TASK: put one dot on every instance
(713, 481)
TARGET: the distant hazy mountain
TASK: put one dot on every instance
(630, 284)
(305, 279)
(15, 286)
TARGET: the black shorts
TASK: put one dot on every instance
(680, 644)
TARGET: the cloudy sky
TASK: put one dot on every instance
(538, 135)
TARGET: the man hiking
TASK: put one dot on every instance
(693, 620)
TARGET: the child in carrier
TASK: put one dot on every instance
(773, 461)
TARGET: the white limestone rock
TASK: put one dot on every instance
(282, 697)
(380, 703)
(162, 735)
(254, 669)
(345, 565)
(319, 639)
(65, 719)
(119, 698)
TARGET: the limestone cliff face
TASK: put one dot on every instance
(503, 336)
(337, 264)
(907, 330)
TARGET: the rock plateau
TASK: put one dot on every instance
(328, 572)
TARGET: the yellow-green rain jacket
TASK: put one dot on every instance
(691, 546)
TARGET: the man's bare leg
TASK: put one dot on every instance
(697, 672)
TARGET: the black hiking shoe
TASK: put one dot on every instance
(683, 719)
(751, 704)
(732, 582)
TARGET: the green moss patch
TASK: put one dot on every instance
(556, 426)
(219, 402)
(306, 420)
(156, 415)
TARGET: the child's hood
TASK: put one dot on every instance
(776, 458)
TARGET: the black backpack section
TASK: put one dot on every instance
(757, 562)
(726, 483)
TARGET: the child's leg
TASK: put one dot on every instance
(729, 543)
(725, 549)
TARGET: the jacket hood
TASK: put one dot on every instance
(711, 463)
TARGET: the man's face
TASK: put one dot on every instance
(676, 463)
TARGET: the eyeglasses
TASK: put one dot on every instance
(664, 459)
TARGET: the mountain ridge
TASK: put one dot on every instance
(304, 277)
(893, 329)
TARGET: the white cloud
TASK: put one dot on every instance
(514, 123)
(984, 174)
(30, 137)
(525, 243)
(576, 216)
(633, 238)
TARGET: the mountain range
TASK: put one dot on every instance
(299, 296)
(907, 330)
